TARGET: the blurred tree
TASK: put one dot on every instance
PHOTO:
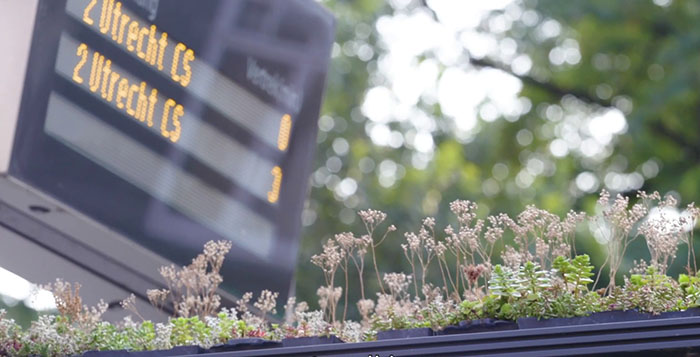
(18, 311)
(507, 104)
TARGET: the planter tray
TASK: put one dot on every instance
(658, 336)
(602, 317)
(474, 326)
(408, 333)
(669, 335)
(592, 319)
(240, 344)
(175, 351)
(310, 341)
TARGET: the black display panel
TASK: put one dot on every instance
(177, 122)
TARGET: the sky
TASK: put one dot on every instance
(14, 288)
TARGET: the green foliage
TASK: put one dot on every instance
(649, 292)
(534, 292)
(188, 331)
(107, 337)
(631, 55)
(536, 280)
(506, 288)
(691, 289)
(393, 321)
(141, 336)
(228, 327)
(528, 291)
(467, 310)
(577, 272)
(241, 329)
(506, 283)
(138, 337)
(436, 315)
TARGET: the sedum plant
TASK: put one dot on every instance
(534, 292)
(575, 273)
(650, 292)
(506, 289)
(690, 285)
(539, 275)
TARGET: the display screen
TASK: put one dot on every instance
(177, 122)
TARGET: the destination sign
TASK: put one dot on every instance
(177, 122)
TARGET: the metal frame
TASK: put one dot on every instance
(649, 337)
(32, 221)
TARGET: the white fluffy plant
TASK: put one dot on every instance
(312, 323)
(10, 335)
(665, 229)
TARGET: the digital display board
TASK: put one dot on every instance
(178, 122)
